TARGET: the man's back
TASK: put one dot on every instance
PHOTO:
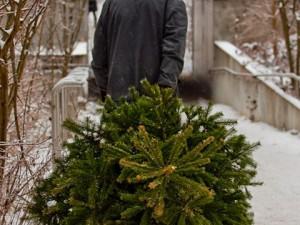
(137, 39)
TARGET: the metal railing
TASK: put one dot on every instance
(226, 69)
(292, 76)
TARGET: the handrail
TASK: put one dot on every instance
(237, 73)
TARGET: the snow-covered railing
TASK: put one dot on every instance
(245, 85)
(66, 98)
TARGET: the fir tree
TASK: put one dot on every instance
(152, 161)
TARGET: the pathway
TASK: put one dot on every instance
(277, 202)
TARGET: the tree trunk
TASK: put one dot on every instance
(3, 116)
(274, 28)
(67, 59)
(286, 32)
(298, 54)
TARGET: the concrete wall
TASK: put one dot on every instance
(66, 105)
(258, 99)
(202, 37)
(212, 20)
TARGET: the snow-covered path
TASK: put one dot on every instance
(277, 202)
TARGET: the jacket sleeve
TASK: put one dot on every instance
(99, 53)
(173, 45)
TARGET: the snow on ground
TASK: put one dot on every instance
(277, 202)
(90, 112)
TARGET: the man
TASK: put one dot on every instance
(136, 40)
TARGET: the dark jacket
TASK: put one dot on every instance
(137, 39)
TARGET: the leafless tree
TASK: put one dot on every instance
(27, 159)
(260, 22)
(65, 28)
(270, 21)
(25, 91)
(19, 22)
